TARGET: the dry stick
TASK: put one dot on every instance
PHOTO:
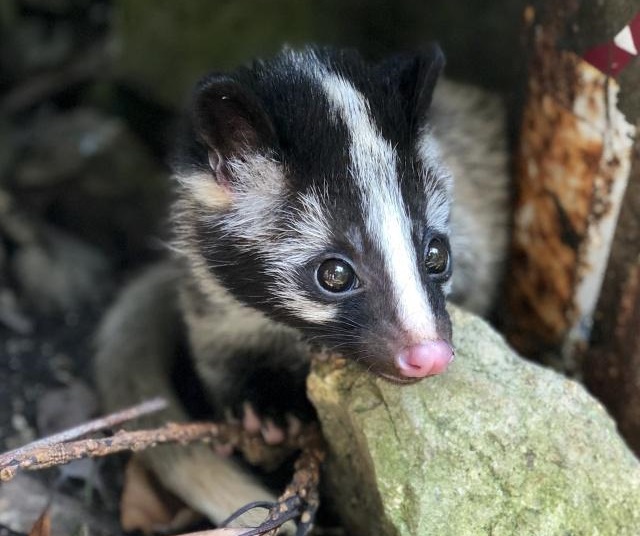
(45, 453)
(304, 486)
(109, 421)
(50, 455)
(301, 498)
(219, 532)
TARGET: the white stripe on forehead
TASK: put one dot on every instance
(373, 166)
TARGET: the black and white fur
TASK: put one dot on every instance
(313, 155)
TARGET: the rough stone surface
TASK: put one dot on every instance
(497, 445)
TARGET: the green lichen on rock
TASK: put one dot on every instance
(497, 445)
(163, 46)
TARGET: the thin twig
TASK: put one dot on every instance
(46, 453)
(109, 421)
(219, 532)
(301, 498)
(50, 455)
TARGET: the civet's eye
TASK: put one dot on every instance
(436, 257)
(336, 275)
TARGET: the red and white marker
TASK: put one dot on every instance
(611, 58)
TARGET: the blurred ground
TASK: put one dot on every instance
(82, 195)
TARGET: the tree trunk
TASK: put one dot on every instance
(575, 266)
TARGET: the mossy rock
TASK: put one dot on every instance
(497, 445)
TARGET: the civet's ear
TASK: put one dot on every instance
(415, 77)
(229, 120)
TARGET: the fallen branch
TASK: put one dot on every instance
(219, 532)
(42, 455)
(299, 501)
(109, 421)
(50, 455)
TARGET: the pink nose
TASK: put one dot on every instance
(426, 359)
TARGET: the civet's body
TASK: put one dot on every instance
(322, 200)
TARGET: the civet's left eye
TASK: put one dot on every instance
(336, 276)
(437, 257)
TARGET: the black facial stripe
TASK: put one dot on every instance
(348, 330)
(437, 301)
(240, 271)
(418, 185)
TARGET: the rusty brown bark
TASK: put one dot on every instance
(612, 364)
(574, 289)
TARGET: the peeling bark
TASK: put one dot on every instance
(575, 263)
(612, 364)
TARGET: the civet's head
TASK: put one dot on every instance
(311, 188)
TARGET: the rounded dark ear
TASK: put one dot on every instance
(415, 77)
(229, 119)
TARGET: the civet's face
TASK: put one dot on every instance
(314, 191)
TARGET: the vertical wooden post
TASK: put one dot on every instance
(574, 282)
